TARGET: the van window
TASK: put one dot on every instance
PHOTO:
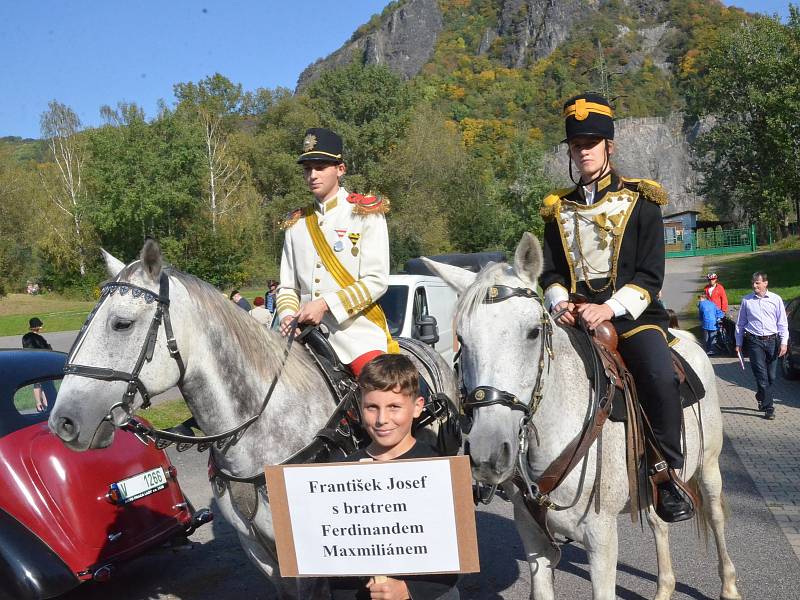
(394, 303)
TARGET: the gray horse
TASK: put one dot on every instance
(229, 361)
(501, 343)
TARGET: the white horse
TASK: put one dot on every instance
(501, 344)
(227, 363)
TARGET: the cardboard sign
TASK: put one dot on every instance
(399, 517)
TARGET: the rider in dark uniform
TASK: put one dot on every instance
(604, 240)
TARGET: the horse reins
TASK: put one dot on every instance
(161, 438)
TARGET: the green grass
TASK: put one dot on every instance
(57, 312)
(735, 272)
(791, 242)
(167, 414)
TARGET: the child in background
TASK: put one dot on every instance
(390, 402)
(709, 315)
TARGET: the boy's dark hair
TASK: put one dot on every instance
(390, 372)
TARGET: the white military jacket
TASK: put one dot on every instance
(361, 243)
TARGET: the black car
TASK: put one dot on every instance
(790, 363)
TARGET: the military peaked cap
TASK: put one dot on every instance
(588, 114)
(321, 145)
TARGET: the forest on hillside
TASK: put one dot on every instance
(459, 149)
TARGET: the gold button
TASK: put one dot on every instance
(316, 281)
(316, 293)
(641, 297)
(319, 266)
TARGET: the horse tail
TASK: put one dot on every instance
(701, 521)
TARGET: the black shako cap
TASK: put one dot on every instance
(321, 145)
(588, 114)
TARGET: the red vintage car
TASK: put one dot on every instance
(68, 517)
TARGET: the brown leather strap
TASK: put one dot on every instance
(678, 367)
(558, 470)
(538, 513)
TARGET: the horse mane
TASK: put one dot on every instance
(473, 296)
(261, 347)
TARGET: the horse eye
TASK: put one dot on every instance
(533, 333)
(121, 324)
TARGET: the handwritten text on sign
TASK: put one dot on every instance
(369, 518)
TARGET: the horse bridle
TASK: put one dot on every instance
(161, 438)
(484, 395)
(135, 384)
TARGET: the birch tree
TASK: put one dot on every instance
(225, 172)
(60, 127)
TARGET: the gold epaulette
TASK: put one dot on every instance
(369, 205)
(651, 190)
(551, 203)
(292, 217)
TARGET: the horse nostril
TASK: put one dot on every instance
(504, 460)
(67, 430)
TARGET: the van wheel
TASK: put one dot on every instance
(789, 372)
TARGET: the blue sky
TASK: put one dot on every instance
(87, 53)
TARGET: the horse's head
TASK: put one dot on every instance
(500, 322)
(121, 355)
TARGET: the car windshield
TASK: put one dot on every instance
(393, 303)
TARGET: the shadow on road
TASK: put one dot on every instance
(499, 548)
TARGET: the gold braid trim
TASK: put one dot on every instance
(293, 217)
(381, 206)
(651, 190)
(552, 203)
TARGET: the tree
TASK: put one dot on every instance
(60, 127)
(750, 97)
(369, 106)
(19, 235)
(225, 173)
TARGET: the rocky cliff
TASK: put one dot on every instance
(527, 30)
(651, 148)
(404, 42)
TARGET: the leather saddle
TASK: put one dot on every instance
(602, 346)
(604, 365)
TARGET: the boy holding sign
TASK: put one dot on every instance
(390, 402)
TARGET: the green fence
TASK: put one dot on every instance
(710, 241)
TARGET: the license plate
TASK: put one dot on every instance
(140, 485)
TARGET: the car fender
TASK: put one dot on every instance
(29, 569)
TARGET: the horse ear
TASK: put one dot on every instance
(113, 265)
(528, 259)
(151, 259)
(457, 278)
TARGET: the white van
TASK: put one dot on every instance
(421, 307)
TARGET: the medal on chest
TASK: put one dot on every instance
(339, 245)
(354, 237)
